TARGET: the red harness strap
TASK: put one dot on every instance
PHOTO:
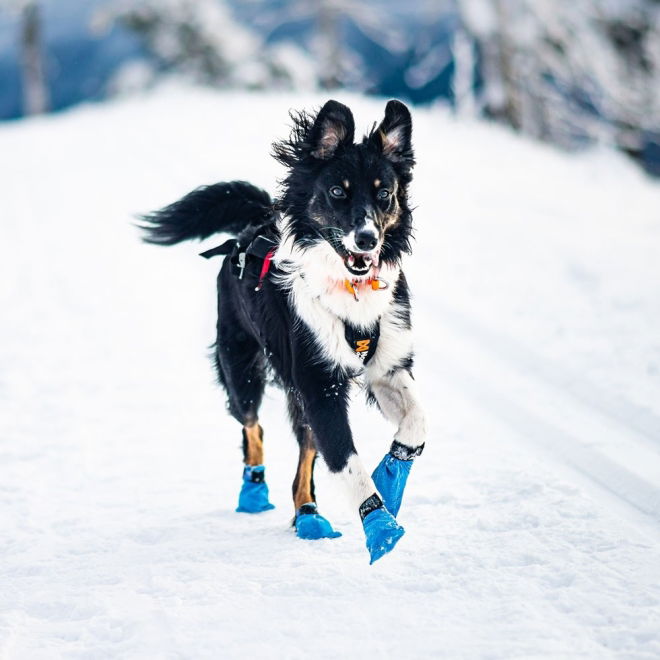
(265, 267)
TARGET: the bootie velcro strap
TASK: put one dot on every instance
(310, 507)
(405, 453)
(370, 504)
(254, 473)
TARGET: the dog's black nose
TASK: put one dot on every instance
(366, 240)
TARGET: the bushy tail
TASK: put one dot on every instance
(222, 207)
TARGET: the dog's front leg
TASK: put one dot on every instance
(325, 397)
(396, 395)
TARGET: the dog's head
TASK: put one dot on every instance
(354, 196)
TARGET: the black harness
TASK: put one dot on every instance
(363, 342)
(251, 262)
(247, 262)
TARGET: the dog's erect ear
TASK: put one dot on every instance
(334, 126)
(395, 133)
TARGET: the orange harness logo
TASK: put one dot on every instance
(362, 345)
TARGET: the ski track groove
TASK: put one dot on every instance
(631, 417)
(544, 431)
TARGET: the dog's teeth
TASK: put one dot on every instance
(367, 259)
(351, 260)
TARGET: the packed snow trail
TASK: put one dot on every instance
(587, 436)
(532, 517)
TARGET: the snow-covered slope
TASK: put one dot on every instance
(533, 517)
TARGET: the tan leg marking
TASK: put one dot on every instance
(253, 444)
(303, 491)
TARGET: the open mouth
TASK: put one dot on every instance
(360, 263)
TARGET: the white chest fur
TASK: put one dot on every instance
(315, 279)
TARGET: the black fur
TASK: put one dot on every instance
(221, 207)
(261, 330)
(312, 164)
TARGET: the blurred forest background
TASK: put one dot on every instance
(569, 72)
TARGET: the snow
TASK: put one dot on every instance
(533, 517)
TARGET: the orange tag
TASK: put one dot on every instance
(362, 345)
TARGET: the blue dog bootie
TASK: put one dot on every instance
(253, 497)
(391, 474)
(311, 525)
(380, 528)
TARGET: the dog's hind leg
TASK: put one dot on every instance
(240, 366)
(308, 522)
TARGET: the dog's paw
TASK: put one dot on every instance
(392, 473)
(310, 525)
(382, 531)
(253, 497)
(390, 478)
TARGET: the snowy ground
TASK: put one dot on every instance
(533, 518)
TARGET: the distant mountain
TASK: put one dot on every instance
(80, 63)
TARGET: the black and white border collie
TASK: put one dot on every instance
(311, 292)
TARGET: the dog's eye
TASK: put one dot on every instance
(337, 192)
(383, 193)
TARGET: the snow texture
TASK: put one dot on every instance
(533, 516)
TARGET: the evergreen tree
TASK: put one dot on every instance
(570, 71)
(202, 40)
(36, 97)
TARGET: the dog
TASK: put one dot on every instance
(311, 291)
